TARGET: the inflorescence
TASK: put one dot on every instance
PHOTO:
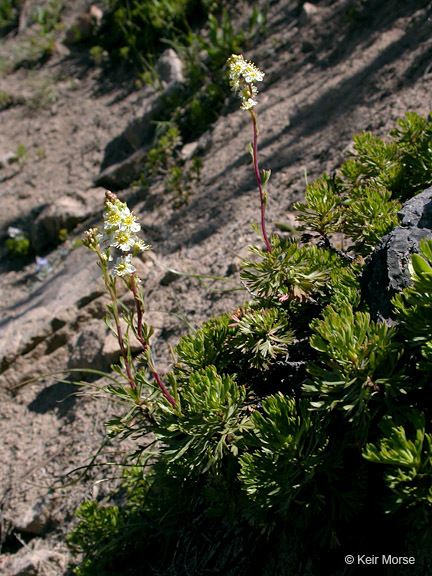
(120, 228)
(242, 77)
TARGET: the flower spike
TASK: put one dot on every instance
(242, 76)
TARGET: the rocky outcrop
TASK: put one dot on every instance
(61, 216)
(121, 174)
(35, 518)
(309, 13)
(387, 273)
(8, 158)
(170, 70)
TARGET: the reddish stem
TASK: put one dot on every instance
(258, 178)
(144, 344)
(164, 390)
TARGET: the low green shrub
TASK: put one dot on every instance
(362, 199)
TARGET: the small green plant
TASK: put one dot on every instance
(40, 153)
(262, 334)
(9, 12)
(405, 452)
(62, 234)
(179, 179)
(282, 479)
(45, 94)
(130, 29)
(33, 52)
(164, 160)
(22, 154)
(4, 100)
(287, 272)
(8, 100)
(48, 16)
(196, 168)
(222, 38)
(98, 55)
(161, 157)
(210, 427)
(358, 362)
(173, 182)
(414, 309)
(18, 243)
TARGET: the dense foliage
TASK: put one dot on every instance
(8, 15)
(131, 28)
(302, 429)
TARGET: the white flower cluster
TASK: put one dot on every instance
(120, 227)
(242, 76)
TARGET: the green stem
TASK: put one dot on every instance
(113, 295)
(139, 312)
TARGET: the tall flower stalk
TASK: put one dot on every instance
(242, 76)
(120, 229)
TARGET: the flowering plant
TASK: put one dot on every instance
(297, 422)
(120, 229)
(242, 77)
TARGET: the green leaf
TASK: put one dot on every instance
(265, 177)
(251, 151)
(420, 266)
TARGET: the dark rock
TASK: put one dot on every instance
(35, 519)
(169, 277)
(141, 130)
(120, 175)
(418, 211)
(386, 272)
(63, 214)
(7, 159)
